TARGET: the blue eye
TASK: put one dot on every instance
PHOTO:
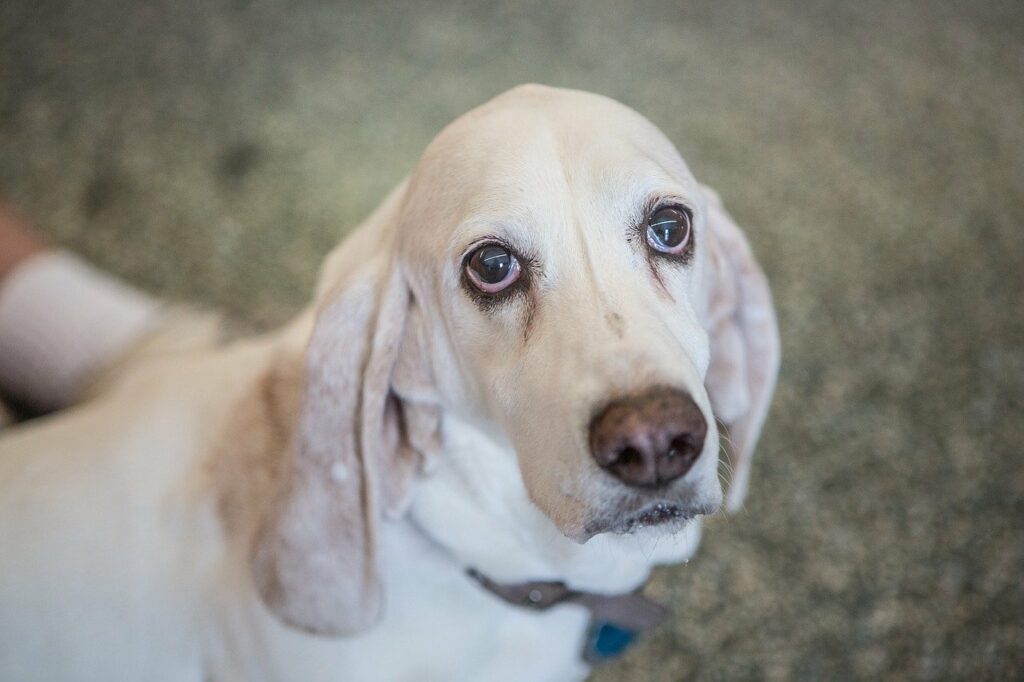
(668, 230)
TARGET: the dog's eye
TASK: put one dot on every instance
(668, 230)
(492, 268)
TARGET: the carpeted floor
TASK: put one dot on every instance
(213, 151)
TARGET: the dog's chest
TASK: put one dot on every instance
(439, 625)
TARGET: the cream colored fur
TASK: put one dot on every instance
(304, 505)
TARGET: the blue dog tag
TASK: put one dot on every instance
(608, 640)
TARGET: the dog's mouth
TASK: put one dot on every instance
(669, 517)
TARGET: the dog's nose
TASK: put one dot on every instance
(650, 439)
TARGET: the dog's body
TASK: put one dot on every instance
(117, 567)
(209, 515)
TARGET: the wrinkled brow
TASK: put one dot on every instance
(512, 226)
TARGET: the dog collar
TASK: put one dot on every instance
(616, 620)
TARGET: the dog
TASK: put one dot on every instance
(498, 414)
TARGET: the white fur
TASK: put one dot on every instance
(117, 562)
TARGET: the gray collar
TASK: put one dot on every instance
(615, 619)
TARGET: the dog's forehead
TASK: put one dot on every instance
(540, 150)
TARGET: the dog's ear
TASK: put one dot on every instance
(744, 337)
(354, 450)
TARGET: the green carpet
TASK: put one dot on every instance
(213, 152)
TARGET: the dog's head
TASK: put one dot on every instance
(552, 273)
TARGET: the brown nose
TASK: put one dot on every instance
(650, 439)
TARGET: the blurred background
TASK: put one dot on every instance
(214, 151)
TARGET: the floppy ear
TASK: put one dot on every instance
(314, 557)
(744, 337)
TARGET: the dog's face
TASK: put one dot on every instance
(552, 275)
(562, 256)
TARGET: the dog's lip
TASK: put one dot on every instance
(658, 513)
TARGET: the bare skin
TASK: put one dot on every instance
(18, 242)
